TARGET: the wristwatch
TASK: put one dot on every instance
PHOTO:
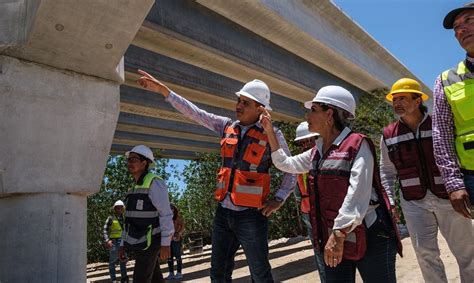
(339, 233)
(278, 199)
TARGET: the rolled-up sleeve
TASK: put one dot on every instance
(355, 205)
(159, 197)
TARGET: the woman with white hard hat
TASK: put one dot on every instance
(349, 212)
(148, 217)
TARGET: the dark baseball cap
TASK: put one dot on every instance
(451, 16)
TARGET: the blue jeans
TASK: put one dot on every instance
(113, 259)
(231, 229)
(469, 184)
(176, 253)
(378, 263)
(317, 255)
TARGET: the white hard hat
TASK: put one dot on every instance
(302, 132)
(258, 91)
(119, 203)
(335, 96)
(144, 151)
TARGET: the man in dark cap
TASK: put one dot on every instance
(453, 128)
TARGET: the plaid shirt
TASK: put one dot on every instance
(443, 139)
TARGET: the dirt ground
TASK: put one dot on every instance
(292, 261)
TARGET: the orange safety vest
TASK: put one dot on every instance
(245, 167)
(304, 206)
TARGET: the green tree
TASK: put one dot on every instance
(372, 115)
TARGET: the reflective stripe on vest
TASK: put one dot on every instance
(141, 214)
(115, 228)
(245, 174)
(328, 191)
(145, 238)
(414, 159)
(458, 86)
(142, 221)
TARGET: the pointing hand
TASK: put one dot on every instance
(150, 83)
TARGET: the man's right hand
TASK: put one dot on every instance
(150, 83)
(121, 254)
(109, 244)
(460, 202)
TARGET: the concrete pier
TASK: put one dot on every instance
(61, 66)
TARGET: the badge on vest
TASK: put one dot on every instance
(139, 205)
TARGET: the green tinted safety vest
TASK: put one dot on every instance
(458, 85)
(115, 228)
(142, 220)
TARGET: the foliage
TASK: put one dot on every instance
(115, 184)
(372, 115)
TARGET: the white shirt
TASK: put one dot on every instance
(356, 203)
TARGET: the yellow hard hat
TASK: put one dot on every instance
(406, 85)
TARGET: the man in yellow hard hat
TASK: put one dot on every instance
(407, 156)
(453, 115)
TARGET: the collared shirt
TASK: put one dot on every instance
(158, 194)
(388, 171)
(443, 139)
(108, 223)
(217, 124)
(356, 202)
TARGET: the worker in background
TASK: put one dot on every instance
(407, 156)
(148, 217)
(453, 116)
(176, 246)
(350, 211)
(112, 234)
(243, 181)
(306, 140)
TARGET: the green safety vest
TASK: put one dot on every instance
(458, 85)
(115, 228)
(142, 220)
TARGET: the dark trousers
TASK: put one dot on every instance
(231, 229)
(378, 263)
(175, 253)
(147, 265)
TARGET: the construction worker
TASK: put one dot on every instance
(148, 217)
(243, 181)
(349, 211)
(112, 235)
(453, 116)
(176, 246)
(306, 141)
(407, 156)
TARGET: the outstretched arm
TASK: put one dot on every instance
(211, 121)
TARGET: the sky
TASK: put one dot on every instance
(411, 30)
